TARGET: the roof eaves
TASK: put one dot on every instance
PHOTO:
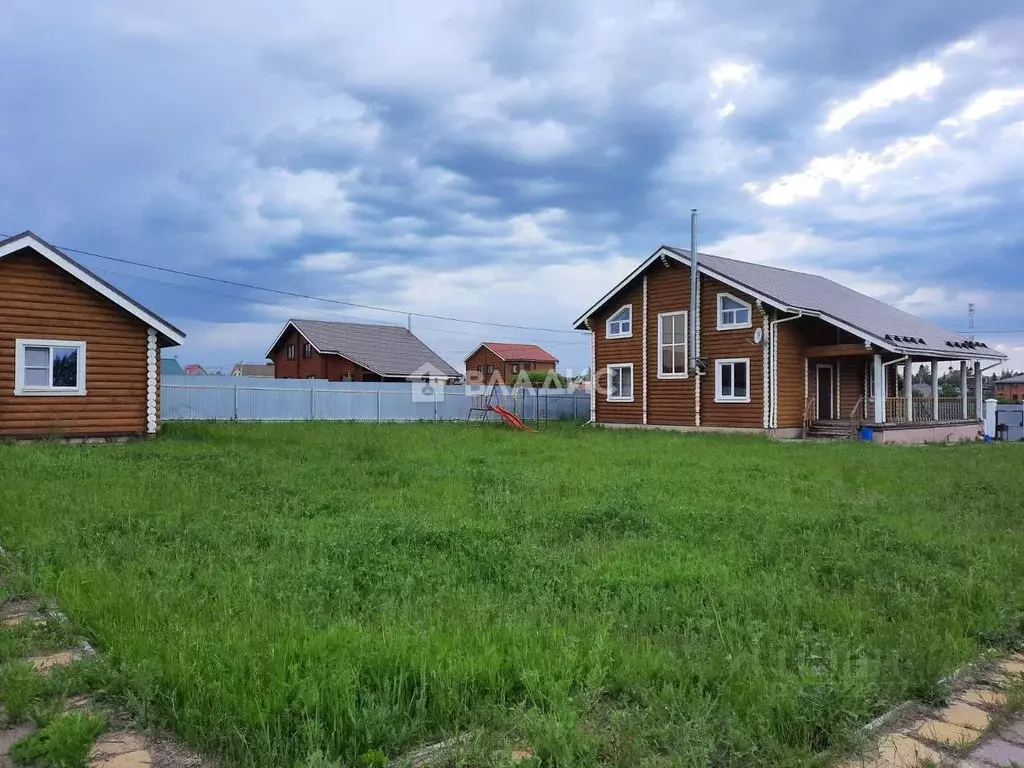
(91, 279)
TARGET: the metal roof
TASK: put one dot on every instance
(512, 351)
(793, 291)
(387, 350)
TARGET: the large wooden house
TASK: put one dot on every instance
(777, 351)
(78, 358)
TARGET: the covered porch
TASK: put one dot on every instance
(850, 386)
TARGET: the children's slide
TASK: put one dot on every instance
(510, 418)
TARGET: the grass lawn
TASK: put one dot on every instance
(610, 597)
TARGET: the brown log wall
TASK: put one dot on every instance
(39, 300)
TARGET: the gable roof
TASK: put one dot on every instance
(30, 240)
(511, 351)
(387, 350)
(169, 366)
(804, 293)
(265, 370)
(194, 369)
(1018, 379)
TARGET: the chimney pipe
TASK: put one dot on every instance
(694, 263)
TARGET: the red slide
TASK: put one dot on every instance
(510, 418)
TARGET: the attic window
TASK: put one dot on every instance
(732, 313)
(620, 325)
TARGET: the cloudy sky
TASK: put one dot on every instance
(508, 161)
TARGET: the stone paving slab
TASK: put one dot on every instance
(999, 753)
(950, 734)
(984, 697)
(965, 714)
(48, 661)
(12, 734)
(1014, 732)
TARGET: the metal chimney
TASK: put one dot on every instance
(694, 263)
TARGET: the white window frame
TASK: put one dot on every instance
(22, 390)
(731, 326)
(608, 380)
(719, 397)
(608, 324)
(685, 344)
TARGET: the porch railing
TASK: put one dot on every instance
(950, 409)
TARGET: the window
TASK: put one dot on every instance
(44, 367)
(515, 367)
(620, 325)
(289, 351)
(480, 369)
(620, 383)
(732, 381)
(732, 313)
(488, 370)
(672, 355)
(307, 350)
(528, 366)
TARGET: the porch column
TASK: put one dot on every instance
(963, 388)
(908, 385)
(879, 393)
(979, 398)
(935, 390)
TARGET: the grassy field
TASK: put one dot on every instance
(611, 597)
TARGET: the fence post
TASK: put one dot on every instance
(378, 406)
(235, 404)
(312, 398)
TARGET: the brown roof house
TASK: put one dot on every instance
(316, 349)
(78, 358)
(774, 351)
(501, 363)
(254, 370)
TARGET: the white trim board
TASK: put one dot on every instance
(80, 273)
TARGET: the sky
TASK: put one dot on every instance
(508, 162)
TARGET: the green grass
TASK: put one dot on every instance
(275, 591)
(64, 742)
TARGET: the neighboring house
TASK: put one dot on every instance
(778, 351)
(194, 369)
(316, 349)
(254, 370)
(495, 362)
(922, 390)
(169, 366)
(78, 358)
(1010, 388)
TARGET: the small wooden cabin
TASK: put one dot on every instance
(78, 358)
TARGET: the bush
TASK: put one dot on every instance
(543, 379)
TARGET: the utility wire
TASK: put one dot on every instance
(293, 294)
(435, 330)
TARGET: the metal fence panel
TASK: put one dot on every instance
(1012, 416)
(256, 399)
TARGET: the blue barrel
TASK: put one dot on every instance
(867, 434)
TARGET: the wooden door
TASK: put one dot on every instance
(826, 392)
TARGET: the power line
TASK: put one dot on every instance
(436, 331)
(293, 294)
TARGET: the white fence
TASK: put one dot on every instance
(252, 399)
